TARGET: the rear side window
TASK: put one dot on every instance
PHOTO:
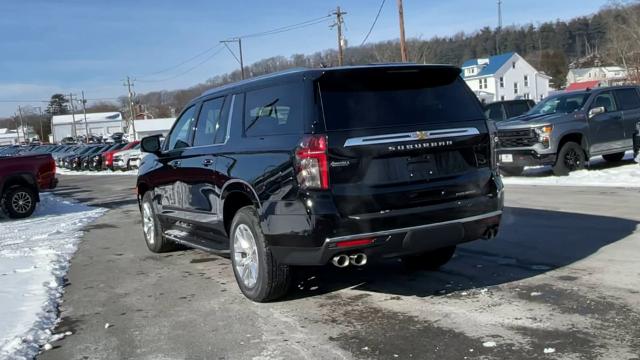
(494, 112)
(396, 99)
(181, 132)
(628, 99)
(211, 125)
(275, 110)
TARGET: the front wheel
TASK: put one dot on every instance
(571, 157)
(613, 157)
(258, 274)
(431, 260)
(19, 202)
(151, 228)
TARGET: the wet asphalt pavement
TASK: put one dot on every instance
(561, 281)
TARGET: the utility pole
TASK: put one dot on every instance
(74, 131)
(84, 111)
(338, 24)
(499, 27)
(133, 116)
(21, 125)
(403, 42)
(239, 60)
(40, 121)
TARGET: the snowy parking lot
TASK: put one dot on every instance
(34, 258)
(564, 260)
(625, 173)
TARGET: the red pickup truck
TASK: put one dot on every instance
(21, 180)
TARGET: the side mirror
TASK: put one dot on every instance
(596, 111)
(150, 144)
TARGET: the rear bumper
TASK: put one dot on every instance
(296, 238)
(394, 242)
(525, 158)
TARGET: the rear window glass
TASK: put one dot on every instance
(396, 99)
(518, 108)
(274, 110)
(628, 99)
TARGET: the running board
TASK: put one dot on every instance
(184, 238)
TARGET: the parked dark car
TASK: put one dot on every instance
(503, 110)
(22, 177)
(74, 162)
(310, 167)
(566, 130)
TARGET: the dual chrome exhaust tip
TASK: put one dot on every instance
(343, 260)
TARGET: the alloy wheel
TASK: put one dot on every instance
(572, 160)
(148, 225)
(245, 253)
(21, 202)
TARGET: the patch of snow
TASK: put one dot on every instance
(549, 350)
(34, 258)
(489, 344)
(63, 171)
(600, 173)
(535, 293)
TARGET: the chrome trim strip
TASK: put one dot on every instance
(412, 228)
(410, 136)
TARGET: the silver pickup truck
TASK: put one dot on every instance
(566, 130)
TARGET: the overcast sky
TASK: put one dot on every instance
(72, 45)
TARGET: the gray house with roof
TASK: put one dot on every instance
(505, 77)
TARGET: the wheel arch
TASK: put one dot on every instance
(21, 179)
(234, 195)
(577, 137)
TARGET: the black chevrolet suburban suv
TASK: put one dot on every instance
(319, 166)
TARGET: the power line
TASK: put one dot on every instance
(180, 63)
(186, 71)
(374, 22)
(288, 27)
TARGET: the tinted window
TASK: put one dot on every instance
(606, 101)
(396, 99)
(494, 112)
(628, 99)
(275, 110)
(180, 135)
(517, 108)
(210, 123)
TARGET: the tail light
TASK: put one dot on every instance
(311, 163)
(493, 144)
(52, 165)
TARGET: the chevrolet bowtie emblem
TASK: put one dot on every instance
(422, 135)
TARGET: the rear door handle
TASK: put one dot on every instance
(207, 162)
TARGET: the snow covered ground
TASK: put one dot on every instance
(34, 257)
(63, 171)
(600, 173)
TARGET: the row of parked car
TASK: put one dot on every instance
(88, 157)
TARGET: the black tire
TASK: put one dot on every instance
(19, 202)
(571, 157)
(272, 279)
(431, 260)
(511, 170)
(153, 235)
(613, 157)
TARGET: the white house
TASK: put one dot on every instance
(604, 75)
(100, 124)
(505, 77)
(148, 127)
